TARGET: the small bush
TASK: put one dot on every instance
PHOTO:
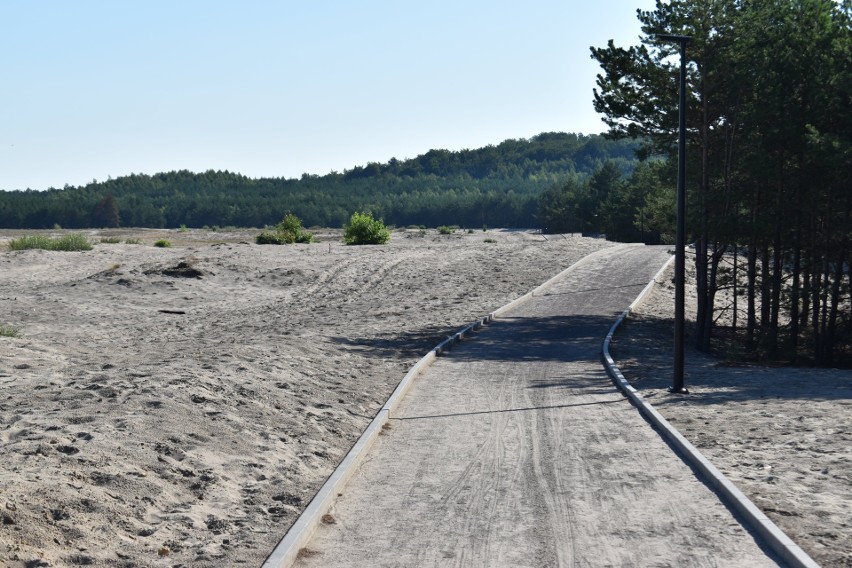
(292, 230)
(268, 238)
(490, 241)
(111, 240)
(8, 331)
(73, 242)
(133, 241)
(288, 231)
(364, 230)
(444, 230)
(183, 229)
(163, 243)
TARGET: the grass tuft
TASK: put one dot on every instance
(9, 331)
(163, 243)
(72, 242)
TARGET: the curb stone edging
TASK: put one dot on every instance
(774, 537)
(298, 535)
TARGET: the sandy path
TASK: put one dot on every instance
(154, 416)
(516, 450)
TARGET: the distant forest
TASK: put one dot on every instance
(497, 186)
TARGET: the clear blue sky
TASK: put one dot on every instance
(92, 89)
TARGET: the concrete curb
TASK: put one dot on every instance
(754, 518)
(297, 537)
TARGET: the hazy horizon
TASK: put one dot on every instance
(98, 90)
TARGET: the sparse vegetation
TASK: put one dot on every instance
(364, 230)
(111, 240)
(490, 241)
(163, 243)
(445, 230)
(288, 231)
(72, 242)
(133, 241)
(9, 331)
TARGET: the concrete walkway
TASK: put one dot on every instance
(515, 449)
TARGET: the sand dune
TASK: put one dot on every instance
(180, 406)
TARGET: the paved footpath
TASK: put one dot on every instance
(515, 449)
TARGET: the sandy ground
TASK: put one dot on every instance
(782, 435)
(152, 415)
(180, 406)
(515, 450)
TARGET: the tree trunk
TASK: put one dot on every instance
(794, 292)
(777, 274)
(751, 296)
(701, 268)
(765, 291)
(736, 298)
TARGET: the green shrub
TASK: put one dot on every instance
(8, 331)
(163, 243)
(183, 229)
(111, 240)
(288, 231)
(72, 242)
(268, 238)
(133, 241)
(292, 231)
(364, 230)
(444, 230)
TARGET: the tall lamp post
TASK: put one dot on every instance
(680, 241)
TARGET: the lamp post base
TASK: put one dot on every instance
(681, 390)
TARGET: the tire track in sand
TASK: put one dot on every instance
(570, 477)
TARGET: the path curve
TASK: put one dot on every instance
(515, 449)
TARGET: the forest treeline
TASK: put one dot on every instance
(498, 186)
(769, 163)
(769, 175)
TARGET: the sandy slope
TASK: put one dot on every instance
(179, 407)
(132, 436)
(782, 435)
